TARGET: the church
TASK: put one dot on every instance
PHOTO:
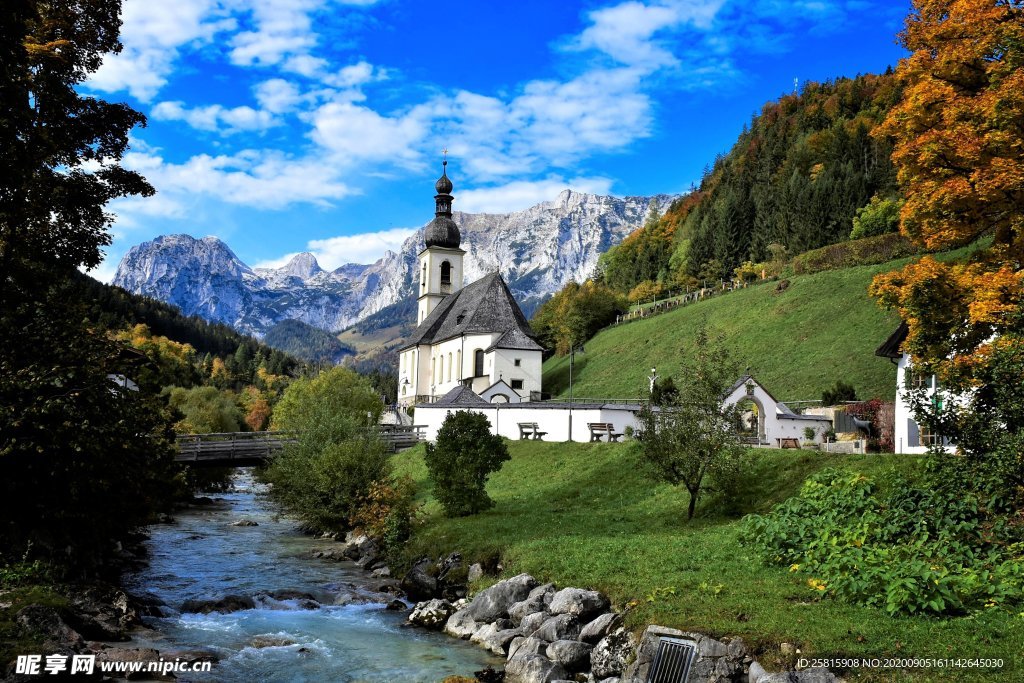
(475, 337)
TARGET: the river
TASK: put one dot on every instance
(202, 556)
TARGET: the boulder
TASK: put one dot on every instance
(461, 624)
(532, 622)
(244, 522)
(475, 572)
(447, 565)
(528, 668)
(537, 601)
(526, 646)
(494, 602)
(270, 641)
(46, 622)
(500, 642)
(488, 636)
(225, 605)
(573, 655)
(599, 628)
(716, 661)
(611, 654)
(396, 605)
(432, 614)
(581, 603)
(559, 627)
(418, 584)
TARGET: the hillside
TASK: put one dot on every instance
(557, 517)
(307, 342)
(798, 342)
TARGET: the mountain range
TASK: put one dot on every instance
(536, 250)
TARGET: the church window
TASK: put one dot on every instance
(517, 384)
(433, 367)
(478, 363)
(458, 364)
(446, 273)
(449, 378)
(423, 277)
(518, 362)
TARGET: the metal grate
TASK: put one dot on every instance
(672, 661)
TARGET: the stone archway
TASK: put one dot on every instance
(751, 426)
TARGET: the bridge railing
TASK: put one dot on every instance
(231, 446)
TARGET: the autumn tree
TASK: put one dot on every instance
(959, 150)
(958, 139)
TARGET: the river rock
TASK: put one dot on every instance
(500, 642)
(494, 602)
(486, 636)
(244, 522)
(526, 646)
(396, 605)
(526, 668)
(381, 572)
(716, 661)
(432, 614)
(610, 655)
(571, 654)
(446, 566)
(475, 572)
(532, 622)
(225, 605)
(582, 603)
(46, 622)
(559, 627)
(461, 624)
(270, 641)
(599, 628)
(418, 584)
(537, 601)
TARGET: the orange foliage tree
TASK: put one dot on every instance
(958, 139)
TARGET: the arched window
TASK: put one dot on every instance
(458, 364)
(449, 378)
(446, 273)
(478, 363)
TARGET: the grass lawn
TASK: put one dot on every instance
(588, 515)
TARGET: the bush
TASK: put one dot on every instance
(459, 463)
(878, 217)
(840, 393)
(338, 457)
(915, 550)
(388, 512)
(864, 252)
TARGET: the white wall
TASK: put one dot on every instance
(777, 425)
(529, 370)
(906, 432)
(505, 420)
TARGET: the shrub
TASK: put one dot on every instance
(878, 217)
(840, 393)
(915, 550)
(388, 512)
(459, 463)
(863, 252)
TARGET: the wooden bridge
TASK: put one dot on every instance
(245, 449)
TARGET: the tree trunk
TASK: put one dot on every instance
(693, 504)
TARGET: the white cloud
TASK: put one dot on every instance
(521, 194)
(215, 117)
(278, 95)
(354, 132)
(334, 252)
(263, 179)
(152, 33)
(355, 75)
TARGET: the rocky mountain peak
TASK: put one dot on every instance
(302, 266)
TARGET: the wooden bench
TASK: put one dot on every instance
(599, 429)
(529, 430)
(789, 443)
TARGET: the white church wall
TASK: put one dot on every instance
(777, 425)
(528, 371)
(505, 419)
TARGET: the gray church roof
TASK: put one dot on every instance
(484, 307)
(461, 396)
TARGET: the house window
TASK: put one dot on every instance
(478, 363)
(518, 362)
(517, 384)
(930, 438)
(919, 381)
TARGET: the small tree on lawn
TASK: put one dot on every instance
(459, 463)
(693, 440)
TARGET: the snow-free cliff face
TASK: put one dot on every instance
(537, 251)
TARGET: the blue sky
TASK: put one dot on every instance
(290, 125)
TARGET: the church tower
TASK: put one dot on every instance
(440, 262)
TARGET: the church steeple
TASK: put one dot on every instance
(442, 231)
(440, 263)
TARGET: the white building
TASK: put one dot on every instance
(767, 421)
(908, 435)
(475, 335)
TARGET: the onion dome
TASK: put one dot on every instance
(443, 231)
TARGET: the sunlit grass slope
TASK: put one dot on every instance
(589, 515)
